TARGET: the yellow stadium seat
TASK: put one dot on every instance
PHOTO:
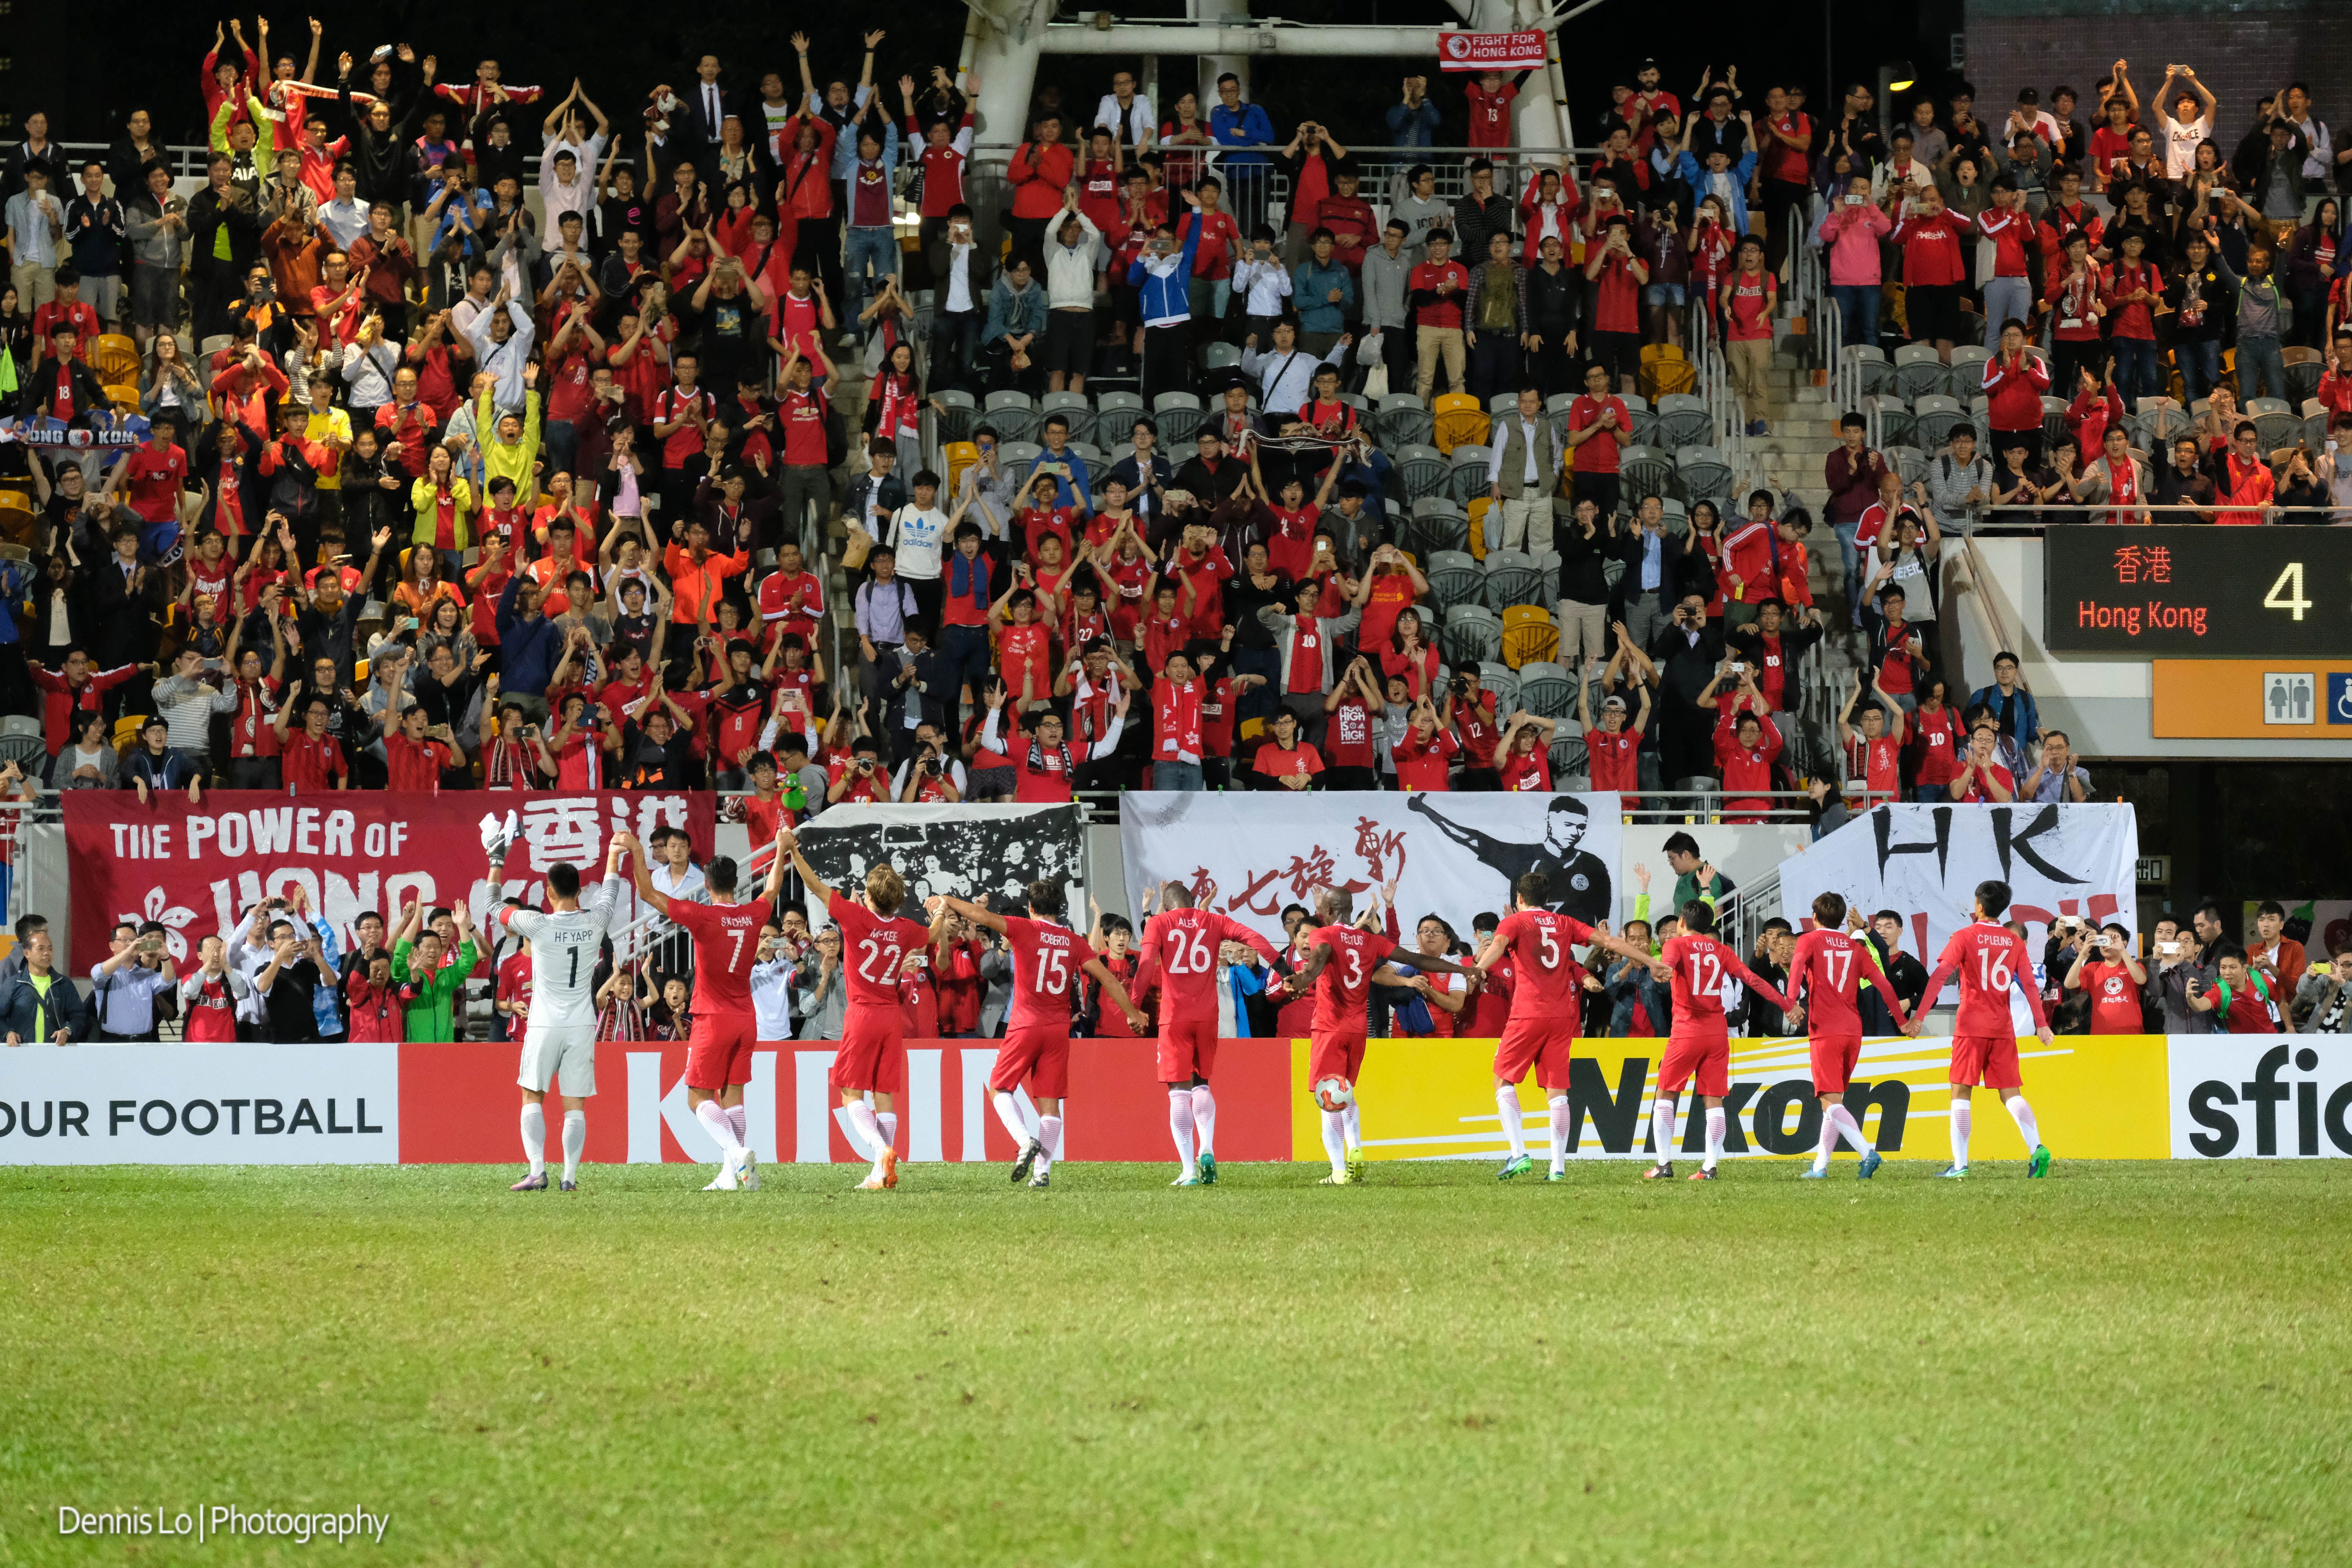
(1478, 510)
(125, 398)
(126, 730)
(115, 358)
(961, 454)
(1528, 635)
(1460, 422)
(1664, 372)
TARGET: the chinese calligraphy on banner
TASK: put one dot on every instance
(1247, 856)
(198, 869)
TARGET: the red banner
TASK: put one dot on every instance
(458, 1104)
(198, 867)
(1490, 51)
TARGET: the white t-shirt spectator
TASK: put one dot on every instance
(2180, 139)
(918, 536)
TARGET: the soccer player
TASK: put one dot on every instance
(1038, 1027)
(1699, 1047)
(1343, 962)
(1827, 968)
(726, 936)
(873, 1058)
(1180, 944)
(559, 1043)
(1546, 1000)
(1989, 958)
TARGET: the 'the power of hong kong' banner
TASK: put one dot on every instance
(1924, 862)
(2097, 1096)
(1452, 855)
(964, 850)
(199, 868)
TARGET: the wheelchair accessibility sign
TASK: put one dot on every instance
(2340, 699)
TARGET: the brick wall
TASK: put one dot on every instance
(2240, 54)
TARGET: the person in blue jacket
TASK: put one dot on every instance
(1163, 274)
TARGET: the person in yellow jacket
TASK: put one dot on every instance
(511, 447)
(444, 506)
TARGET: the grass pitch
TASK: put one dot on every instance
(2122, 1365)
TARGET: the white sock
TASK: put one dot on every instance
(1204, 1118)
(1179, 1127)
(888, 1122)
(1560, 1132)
(739, 1118)
(1506, 1100)
(1714, 1135)
(1008, 1111)
(865, 1131)
(1354, 1116)
(575, 1139)
(1049, 1139)
(713, 1116)
(1960, 1133)
(2022, 1114)
(534, 1138)
(1661, 1127)
(1335, 1140)
(1849, 1127)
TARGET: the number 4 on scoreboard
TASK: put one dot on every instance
(2290, 582)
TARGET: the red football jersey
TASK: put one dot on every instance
(1181, 946)
(1700, 963)
(1828, 969)
(1988, 959)
(1045, 960)
(1547, 979)
(1341, 987)
(725, 945)
(873, 949)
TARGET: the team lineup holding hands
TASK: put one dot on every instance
(1185, 950)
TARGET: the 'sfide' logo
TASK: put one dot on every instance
(2265, 1093)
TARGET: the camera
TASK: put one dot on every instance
(931, 767)
(1460, 685)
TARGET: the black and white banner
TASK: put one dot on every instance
(200, 1105)
(1924, 862)
(1248, 855)
(965, 850)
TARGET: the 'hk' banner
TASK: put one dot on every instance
(1924, 862)
(1490, 51)
(199, 868)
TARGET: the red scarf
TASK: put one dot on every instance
(1178, 711)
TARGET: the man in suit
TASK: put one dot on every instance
(707, 108)
(962, 274)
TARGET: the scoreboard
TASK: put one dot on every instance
(2198, 591)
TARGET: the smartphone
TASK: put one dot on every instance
(1857, 201)
(2168, 949)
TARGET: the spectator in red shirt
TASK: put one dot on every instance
(1490, 110)
(1981, 778)
(2113, 982)
(1434, 289)
(1425, 753)
(1598, 425)
(413, 755)
(1617, 276)
(312, 760)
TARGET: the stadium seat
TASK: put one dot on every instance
(1919, 374)
(1683, 420)
(1502, 404)
(1933, 416)
(1644, 471)
(1894, 419)
(1423, 472)
(1968, 362)
(1642, 420)
(125, 398)
(1125, 406)
(1664, 373)
(1014, 458)
(1221, 357)
(1454, 579)
(1875, 372)
(1435, 524)
(956, 415)
(1547, 690)
(1909, 462)
(1403, 420)
(1512, 579)
(2276, 423)
(1704, 473)
(1467, 477)
(2155, 421)
(1097, 460)
(115, 357)
(1075, 407)
(1503, 682)
(2053, 422)
(2304, 366)
(1471, 632)
(1458, 421)
(1480, 507)
(1013, 416)
(2315, 425)
(1529, 635)
(1179, 415)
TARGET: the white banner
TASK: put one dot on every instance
(2241, 1097)
(200, 1105)
(965, 850)
(1248, 855)
(1924, 862)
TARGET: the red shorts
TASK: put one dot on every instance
(1332, 1054)
(1552, 1063)
(1833, 1059)
(1708, 1057)
(1523, 1041)
(1987, 1059)
(718, 1051)
(1038, 1052)
(1188, 1048)
(873, 1054)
